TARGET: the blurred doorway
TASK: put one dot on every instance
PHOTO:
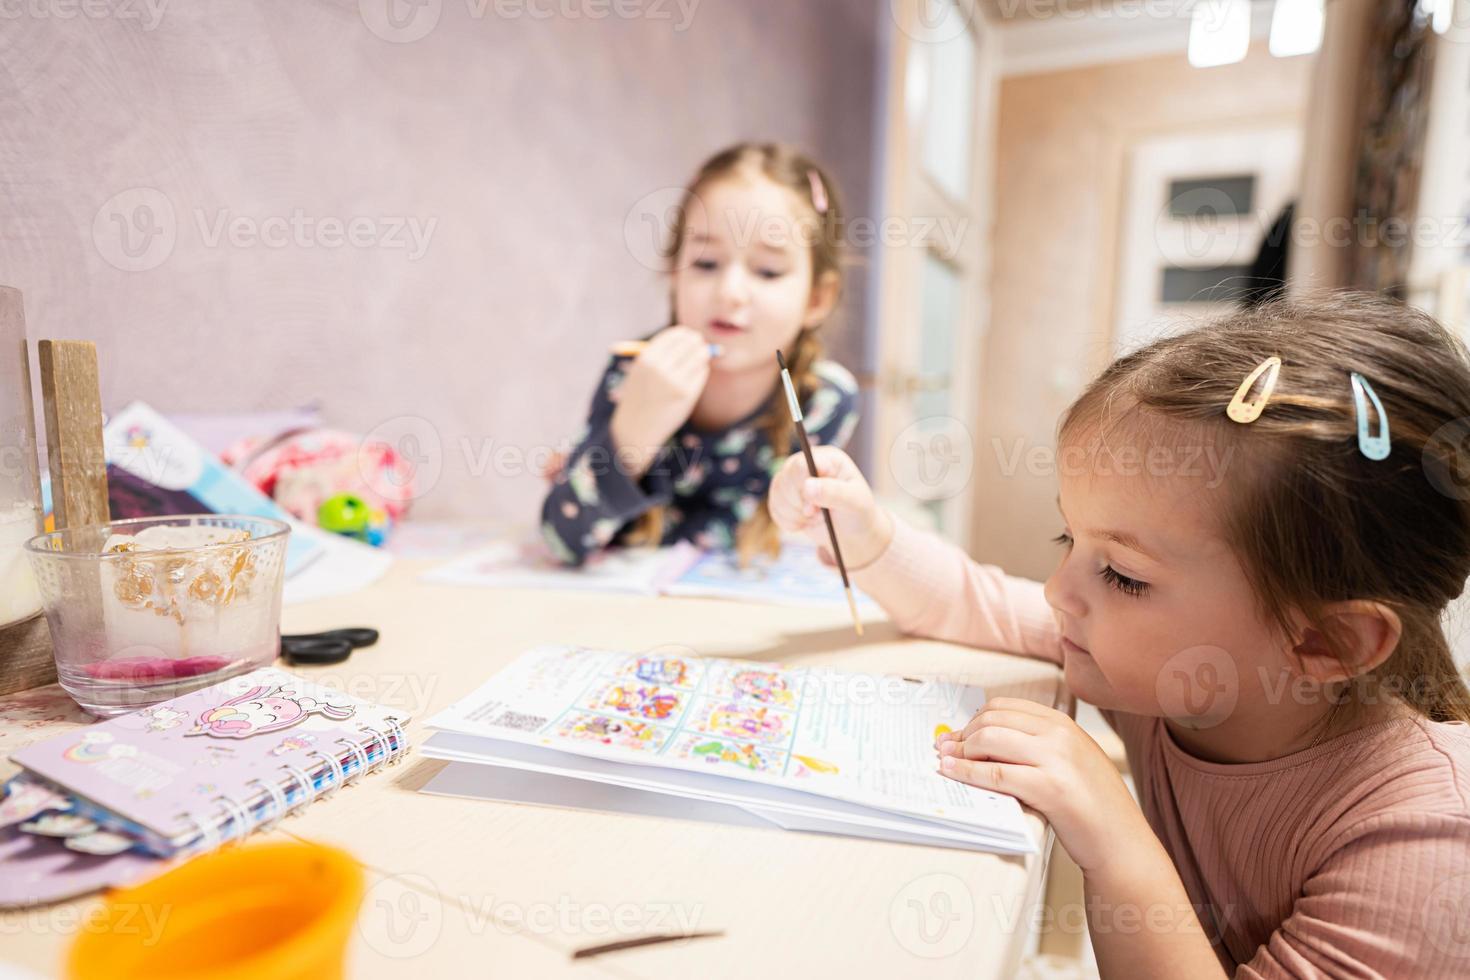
(936, 187)
(1197, 207)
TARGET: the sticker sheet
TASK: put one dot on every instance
(798, 577)
(862, 738)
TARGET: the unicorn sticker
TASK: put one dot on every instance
(263, 709)
(97, 747)
(162, 719)
(293, 742)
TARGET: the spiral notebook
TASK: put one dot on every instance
(200, 769)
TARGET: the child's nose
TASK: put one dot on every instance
(734, 285)
(1061, 593)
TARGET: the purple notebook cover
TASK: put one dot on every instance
(170, 767)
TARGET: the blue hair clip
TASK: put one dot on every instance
(1374, 447)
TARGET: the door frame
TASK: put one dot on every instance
(906, 190)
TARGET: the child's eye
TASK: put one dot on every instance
(770, 273)
(1064, 539)
(1123, 583)
(706, 265)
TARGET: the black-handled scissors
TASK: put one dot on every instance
(327, 647)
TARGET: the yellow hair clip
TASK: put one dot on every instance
(1246, 412)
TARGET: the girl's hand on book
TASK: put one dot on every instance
(658, 395)
(1044, 759)
(796, 498)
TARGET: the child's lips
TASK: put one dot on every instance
(724, 328)
(1073, 648)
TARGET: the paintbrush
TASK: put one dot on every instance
(811, 465)
(613, 947)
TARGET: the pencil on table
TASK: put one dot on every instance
(811, 466)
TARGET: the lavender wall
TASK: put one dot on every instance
(178, 181)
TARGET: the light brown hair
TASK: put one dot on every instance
(787, 167)
(1311, 519)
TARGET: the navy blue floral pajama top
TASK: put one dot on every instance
(708, 481)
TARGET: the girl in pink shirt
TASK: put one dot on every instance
(1262, 521)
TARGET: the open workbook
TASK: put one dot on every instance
(804, 748)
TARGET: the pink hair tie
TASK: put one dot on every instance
(819, 193)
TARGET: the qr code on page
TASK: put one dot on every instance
(519, 722)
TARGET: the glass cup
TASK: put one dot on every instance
(20, 491)
(19, 600)
(145, 610)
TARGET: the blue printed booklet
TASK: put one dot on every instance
(154, 469)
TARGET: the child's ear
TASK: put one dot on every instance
(1351, 638)
(823, 301)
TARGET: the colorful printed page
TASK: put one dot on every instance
(797, 578)
(168, 768)
(529, 565)
(863, 739)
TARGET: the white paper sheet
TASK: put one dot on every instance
(485, 782)
(510, 565)
(342, 566)
(481, 782)
(797, 578)
(799, 810)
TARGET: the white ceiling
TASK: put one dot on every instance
(1054, 35)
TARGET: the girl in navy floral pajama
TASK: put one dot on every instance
(709, 482)
(682, 440)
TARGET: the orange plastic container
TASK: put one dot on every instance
(278, 910)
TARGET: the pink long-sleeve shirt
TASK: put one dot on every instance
(1348, 859)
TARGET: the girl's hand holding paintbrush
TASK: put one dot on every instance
(797, 499)
(658, 395)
